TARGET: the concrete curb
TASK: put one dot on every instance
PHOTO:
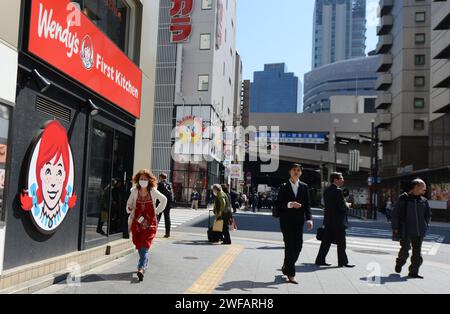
(38, 284)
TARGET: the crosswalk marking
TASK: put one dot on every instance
(179, 217)
(383, 233)
(381, 240)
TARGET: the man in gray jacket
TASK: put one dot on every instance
(410, 221)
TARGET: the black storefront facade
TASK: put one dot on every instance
(101, 138)
(436, 175)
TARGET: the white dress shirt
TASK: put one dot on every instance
(295, 186)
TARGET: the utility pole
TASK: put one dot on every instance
(376, 173)
(322, 183)
(372, 168)
(335, 150)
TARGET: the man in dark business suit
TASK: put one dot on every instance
(294, 209)
(335, 222)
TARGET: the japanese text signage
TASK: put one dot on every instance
(180, 20)
(292, 137)
(65, 38)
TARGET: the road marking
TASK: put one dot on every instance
(430, 249)
(210, 279)
(434, 250)
(179, 217)
(382, 233)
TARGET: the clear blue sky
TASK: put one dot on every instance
(272, 31)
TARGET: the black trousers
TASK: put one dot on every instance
(292, 228)
(330, 237)
(416, 258)
(166, 219)
(226, 231)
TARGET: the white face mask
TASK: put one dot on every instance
(143, 183)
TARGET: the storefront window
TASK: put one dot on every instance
(187, 177)
(111, 16)
(110, 174)
(4, 130)
(99, 182)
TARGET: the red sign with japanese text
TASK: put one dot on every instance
(180, 22)
(61, 35)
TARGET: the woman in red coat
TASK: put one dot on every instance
(143, 222)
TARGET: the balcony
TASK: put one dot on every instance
(386, 7)
(441, 48)
(441, 76)
(383, 120)
(384, 81)
(385, 43)
(441, 103)
(441, 20)
(384, 100)
(386, 23)
(384, 135)
(385, 63)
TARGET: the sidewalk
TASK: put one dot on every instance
(188, 264)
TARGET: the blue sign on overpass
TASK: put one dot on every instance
(293, 137)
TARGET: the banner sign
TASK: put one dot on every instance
(62, 36)
(292, 137)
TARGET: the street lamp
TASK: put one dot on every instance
(374, 165)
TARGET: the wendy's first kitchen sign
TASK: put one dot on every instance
(61, 35)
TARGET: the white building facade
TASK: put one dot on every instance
(195, 90)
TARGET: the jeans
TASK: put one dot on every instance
(143, 258)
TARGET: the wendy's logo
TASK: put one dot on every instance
(87, 52)
(49, 194)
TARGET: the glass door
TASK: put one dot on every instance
(99, 181)
(109, 183)
(121, 179)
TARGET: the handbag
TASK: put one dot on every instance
(218, 225)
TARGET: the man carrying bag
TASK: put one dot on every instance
(335, 222)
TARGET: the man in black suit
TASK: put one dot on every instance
(166, 188)
(294, 209)
(335, 222)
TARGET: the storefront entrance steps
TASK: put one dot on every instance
(34, 277)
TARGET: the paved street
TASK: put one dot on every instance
(187, 263)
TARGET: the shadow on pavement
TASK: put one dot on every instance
(270, 248)
(384, 280)
(247, 285)
(110, 277)
(248, 222)
(312, 268)
(203, 242)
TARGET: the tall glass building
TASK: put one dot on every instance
(339, 31)
(275, 90)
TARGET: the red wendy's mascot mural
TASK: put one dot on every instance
(49, 191)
